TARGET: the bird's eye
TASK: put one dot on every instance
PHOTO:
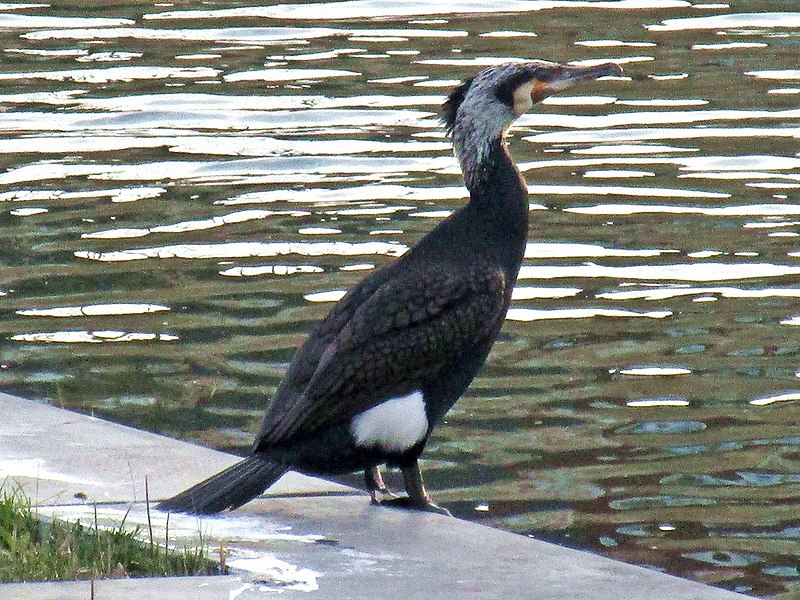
(505, 94)
(504, 91)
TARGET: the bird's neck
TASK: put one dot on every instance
(495, 186)
(487, 166)
(499, 197)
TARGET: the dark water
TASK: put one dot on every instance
(183, 193)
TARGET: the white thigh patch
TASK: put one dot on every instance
(394, 425)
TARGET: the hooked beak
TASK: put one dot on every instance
(565, 76)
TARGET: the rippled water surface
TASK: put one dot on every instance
(185, 188)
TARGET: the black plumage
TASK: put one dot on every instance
(396, 352)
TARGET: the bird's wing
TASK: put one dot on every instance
(306, 359)
(400, 335)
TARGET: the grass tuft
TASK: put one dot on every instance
(33, 549)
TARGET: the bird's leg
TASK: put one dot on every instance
(418, 498)
(375, 486)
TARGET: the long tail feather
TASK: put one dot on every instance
(230, 488)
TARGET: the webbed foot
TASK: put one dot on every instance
(378, 491)
(408, 503)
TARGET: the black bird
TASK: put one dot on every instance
(394, 354)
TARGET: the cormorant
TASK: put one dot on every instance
(396, 352)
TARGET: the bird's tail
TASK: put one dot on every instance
(230, 488)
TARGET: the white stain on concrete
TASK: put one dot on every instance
(184, 527)
(269, 573)
(35, 468)
(233, 594)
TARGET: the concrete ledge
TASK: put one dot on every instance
(56, 454)
(171, 588)
(308, 537)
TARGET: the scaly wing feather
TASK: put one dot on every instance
(402, 334)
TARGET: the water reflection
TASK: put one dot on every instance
(184, 226)
(678, 271)
(93, 310)
(760, 20)
(270, 270)
(655, 402)
(247, 250)
(658, 293)
(788, 397)
(654, 371)
(109, 74)
(529, 314)
(367, 9)
(187, 189)
(765, 210)
(93, 337)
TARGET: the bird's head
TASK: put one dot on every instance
(482, 108)
(498, 95)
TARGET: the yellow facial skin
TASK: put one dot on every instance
(528, 94)
(531, 92)
(540, 91)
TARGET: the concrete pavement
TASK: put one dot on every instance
(306, 538)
